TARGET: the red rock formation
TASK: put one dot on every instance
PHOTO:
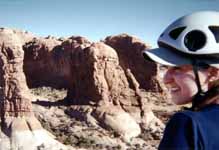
(14, 92)
(68, 64)
(129, 50)
(47, 62)
(19, 128)
(99, 79)
(98, 76)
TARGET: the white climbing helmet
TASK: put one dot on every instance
(194, 36)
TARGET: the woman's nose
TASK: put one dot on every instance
(168, 77)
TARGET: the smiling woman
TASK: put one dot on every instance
(182, 84)
(192, 77)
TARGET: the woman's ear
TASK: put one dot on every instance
(213, 74)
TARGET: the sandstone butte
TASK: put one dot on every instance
(107, 74)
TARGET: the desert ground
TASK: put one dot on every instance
(77, 132)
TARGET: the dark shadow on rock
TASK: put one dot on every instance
(45, 103)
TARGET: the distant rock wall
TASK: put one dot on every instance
(129, 50)
(70, 62)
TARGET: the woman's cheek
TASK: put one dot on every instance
(187, 85)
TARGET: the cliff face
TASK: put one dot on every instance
(19, 128)
(15, 99)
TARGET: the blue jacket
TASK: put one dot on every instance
(192, 130)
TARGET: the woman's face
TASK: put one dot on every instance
(180, 81)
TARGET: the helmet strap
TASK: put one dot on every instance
(197, 79)
(201, 96)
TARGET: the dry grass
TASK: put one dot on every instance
(49, 93)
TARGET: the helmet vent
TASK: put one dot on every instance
(215, 31)
(176, 32)
(195, 40)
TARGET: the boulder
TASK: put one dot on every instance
(119, 121)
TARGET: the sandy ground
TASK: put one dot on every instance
(55, 115)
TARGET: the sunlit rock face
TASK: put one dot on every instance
(15, 99)
(19, 128)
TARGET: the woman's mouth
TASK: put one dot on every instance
(174, 89)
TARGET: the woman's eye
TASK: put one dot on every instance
(204, 67)
(176, 68)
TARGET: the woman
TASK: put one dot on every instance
(190, 47)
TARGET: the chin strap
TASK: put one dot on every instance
(201, 96)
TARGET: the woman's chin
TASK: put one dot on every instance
(180, 100)
(182, 97)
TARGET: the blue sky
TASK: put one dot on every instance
(96, 19)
